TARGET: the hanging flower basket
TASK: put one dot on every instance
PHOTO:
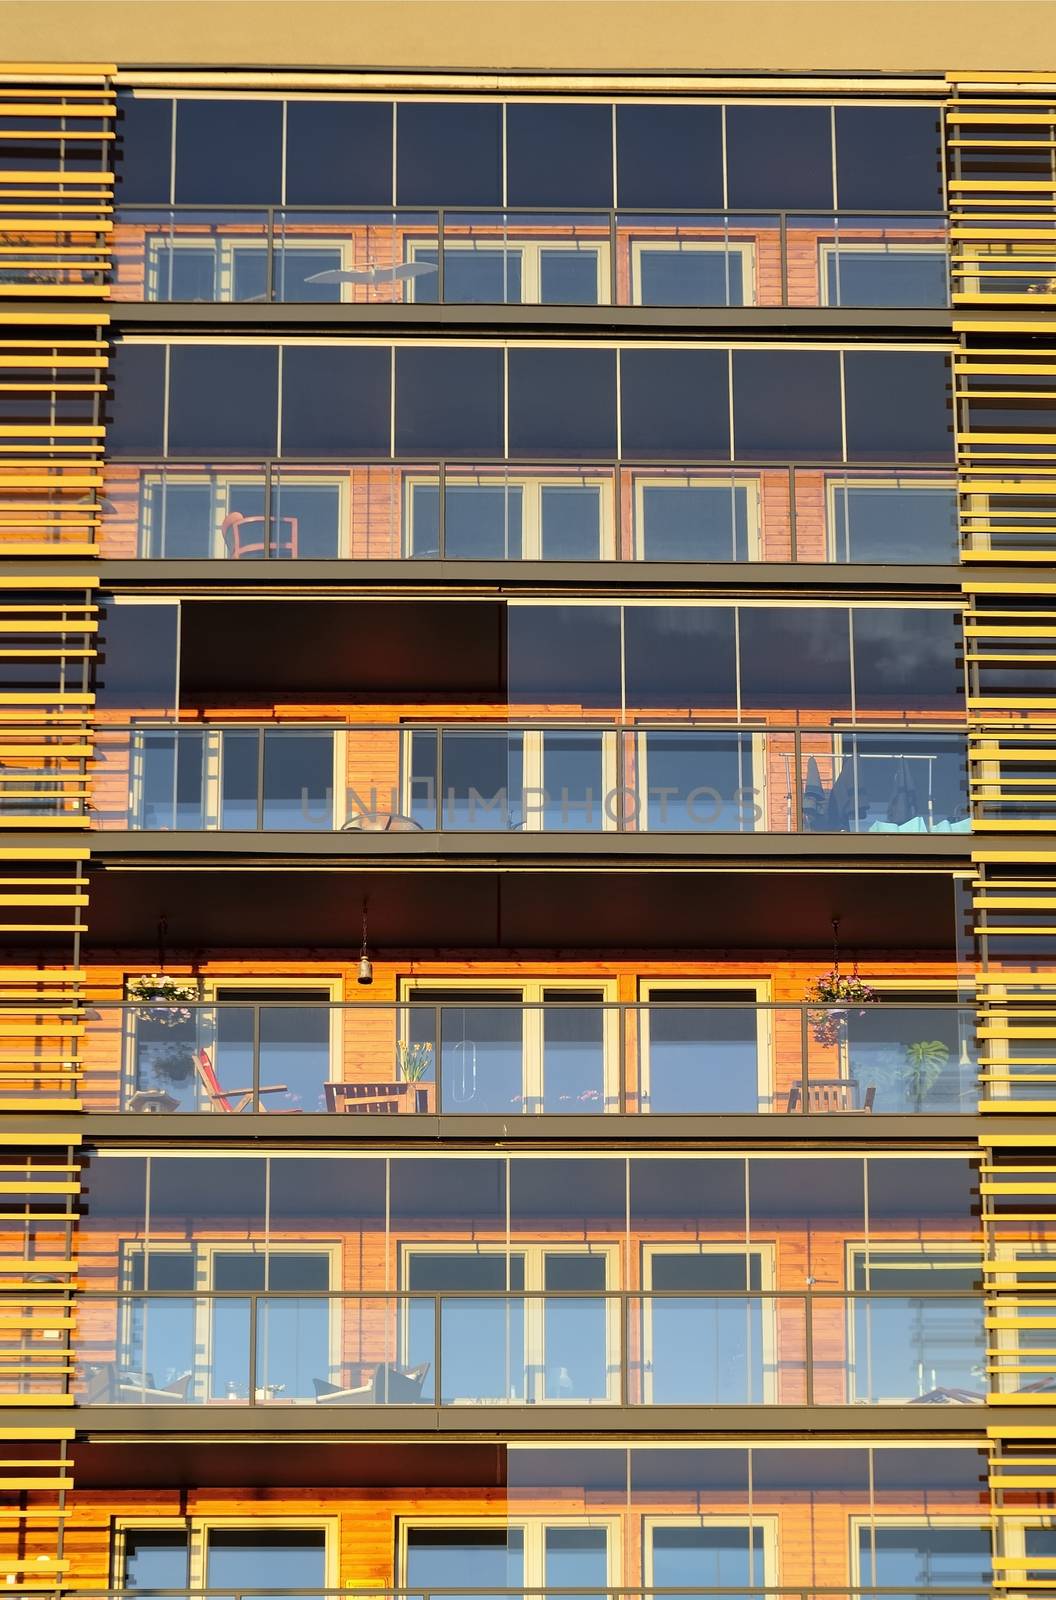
(834, 990)
(161, 999)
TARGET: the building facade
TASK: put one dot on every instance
(527, 755)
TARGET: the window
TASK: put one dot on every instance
(335, 400)
(279, 778)
(710, 1552)
(717, 1348)
(922, 1553)
(500, 517)
(907, 1340)
(195, 516)
(882, 274)
(272, 1553)
(504, 267)
(908, 659)
(540, 1046)
(898, 405)
(683, 517)
(143, 168)
(506, 1345)
(222, 399)
(136, 420)
(448, 155)
(558, 155)
(895, 520)
(691, 272)
(669, 156)
(795, 657)
(703, 1048)
(564, 1552)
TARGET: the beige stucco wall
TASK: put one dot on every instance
(761, 35)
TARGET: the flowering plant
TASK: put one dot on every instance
(834, 989)
(165, 995)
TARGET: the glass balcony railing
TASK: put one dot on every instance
(510, 257)
(520, 1349)
(565, 1058)
(458, 511)
(574, 777)
(746, 1591)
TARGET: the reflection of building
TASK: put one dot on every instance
(558, 555)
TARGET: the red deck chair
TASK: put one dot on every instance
(238, 546)
(221, 1099)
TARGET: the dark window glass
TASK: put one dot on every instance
(779, 156)
(338, 153)
(143, 169)
(449, 402)
(136, 668)
(907, 659)
(888, 158)
(795, 657)
(562, 402)
(669, 156)
(680, 656)
(564, 655)
(675, 404)
(786, 405)
(222, 398)
(559, 155)
(898, 405)
(137, 401)
(885, 276)
(448, 155)
(228, 152)
(335, 400)
(691, 277)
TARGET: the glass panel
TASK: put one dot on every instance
(907, 660)
(888, 158)
(136, 405)
(699, 1058)
(574, 792)
(885, 276)
(308, 515)
(483, 1351)
(685, 276)
(674, 404)
(787, 405)
(483, 521)
(577, 1356)
(575, 1558)
(240, 780)
(569, 278)
(707, 1557)
(669, 156)
(449, 402)
(335, 400)
(702, 1350)
(477, 1558)
(898, 405)
(168, 791)
(294, 1333)
(917, 1351)
(913, 1058)
(564, 657)
(570, 515)
(779, 156)
(482, 780)
(573, 1058)
(298, 780)
(558, 155)
(693, 520)
(249, 132)
(680, 658)
(138, 654)
(448, 155)
(795, 658)
(700, 782)
(338, 153)
(222, 398)
(144, 150)
(562, 402)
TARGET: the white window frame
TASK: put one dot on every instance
(837, 483)
(534, 1253)
(533, 992)
(764, 1253)
(198, 1528)
(650, 988)
(752, 486)
(531, 486)
(908, 1253)
(533, 1531)
(832, 249)
(859, 1524)
(744, 248)
(530, 252)
(767, 1525)
(222, 483)
(212, 764)
(225, 249)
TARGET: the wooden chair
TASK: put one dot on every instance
(366, 1099)
(231, 533)
(231, 1100)
(832, 1094)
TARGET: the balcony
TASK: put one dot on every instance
(672, 778)
(556, 512)
(469, 1349)
(274, 255)
(466, 1057)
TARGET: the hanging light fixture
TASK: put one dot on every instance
(365, 974)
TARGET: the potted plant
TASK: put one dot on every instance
(414, 1064)
(163, 1000)
(922, 1069)
(835, 990)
